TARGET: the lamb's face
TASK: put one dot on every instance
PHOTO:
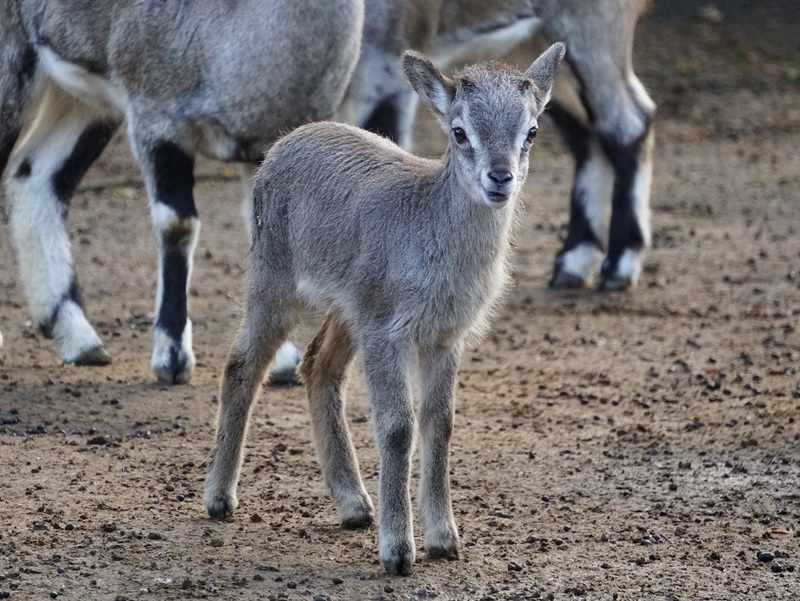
(492, 124)
(490, 113)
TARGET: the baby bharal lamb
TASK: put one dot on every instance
(410, 255)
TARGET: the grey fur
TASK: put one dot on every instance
(224, 79)
(411, 255)
(603, 95)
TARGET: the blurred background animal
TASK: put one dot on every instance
(600, 107)
(220, 79)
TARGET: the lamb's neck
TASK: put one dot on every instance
(474, 233)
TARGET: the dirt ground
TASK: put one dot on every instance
(607, 446)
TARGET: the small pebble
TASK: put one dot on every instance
(180, 497)
(109, 527)
(53, 594)
(388, 588)
(776, 567)
(216, 542)
(765, 556)
(338, 581)
(513, 566)
(4, 594)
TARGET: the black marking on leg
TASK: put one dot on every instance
(175, 271)
(87, 148)
(174, 178)
(24, 169)
(385, 119)
(578, 138)
(73, 294)
(624, 231)
(6, 146)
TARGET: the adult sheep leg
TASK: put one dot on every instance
(620, 117)
(323, 370)
(169, 177)
(65, 138)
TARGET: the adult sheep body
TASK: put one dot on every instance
(219, 78)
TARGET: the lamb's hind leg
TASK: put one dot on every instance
(437, 374)
(323, 370)
(267, 323)
(64, 140)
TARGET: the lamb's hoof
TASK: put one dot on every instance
(398, 562)
(358, 522)
(564, 280)
(442, 542)
(220, 507)
(94, 356)
(442, 552)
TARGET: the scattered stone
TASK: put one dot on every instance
(216, 542)
(765, 556)
(337, 580)
(776, 567)
(97, 440)
(513, 566)
(54, 594)
(256, 519)
(155, 536)
(109, 527)
(388, 588)
(180, 497)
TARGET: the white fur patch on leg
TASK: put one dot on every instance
(173, 360)
(629, 268)
(576, 266)
(284, 368)
(76, 340)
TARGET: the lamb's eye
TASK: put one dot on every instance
(460, 135)
(526, 145)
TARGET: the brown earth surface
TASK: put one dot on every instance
(607, 446)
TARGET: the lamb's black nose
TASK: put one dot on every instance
(500, 176)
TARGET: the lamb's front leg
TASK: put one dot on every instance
(386, 367)
(438, 368)
(169, 175)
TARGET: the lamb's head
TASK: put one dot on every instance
(490, 112)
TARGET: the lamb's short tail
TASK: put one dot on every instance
(19, 61)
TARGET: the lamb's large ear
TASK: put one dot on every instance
(543, 70)
(435, 89)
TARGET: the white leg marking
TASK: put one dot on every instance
(37, 219)
(162, 361)
(579, 263)
(594, 182)
(284, 368)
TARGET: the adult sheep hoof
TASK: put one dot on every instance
(284, 368)
(94, 356)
